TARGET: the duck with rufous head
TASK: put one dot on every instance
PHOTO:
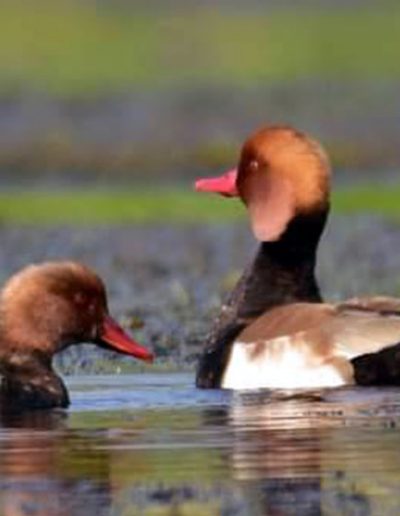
(44, 309)
(274, 331)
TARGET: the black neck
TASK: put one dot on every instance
(282, 272)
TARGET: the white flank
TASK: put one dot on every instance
(280, 365)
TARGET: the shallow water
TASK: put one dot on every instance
(154, 445)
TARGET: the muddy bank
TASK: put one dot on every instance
(166, 282)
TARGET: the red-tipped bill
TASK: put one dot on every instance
(116, 338)
(224, 185)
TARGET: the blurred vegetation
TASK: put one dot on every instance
(116, 90)
(114, 207)
(65, 47)
(173, 205)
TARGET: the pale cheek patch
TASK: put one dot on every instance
(279, 366)
(271, 209)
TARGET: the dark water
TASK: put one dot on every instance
(153, 445)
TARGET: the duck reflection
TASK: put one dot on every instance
(279, 436)
(46, 471)
(298, 454)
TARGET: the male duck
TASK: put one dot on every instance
(275, 331)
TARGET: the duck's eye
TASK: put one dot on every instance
(254, 165)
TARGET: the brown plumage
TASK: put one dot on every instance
(44, 309)
(277, 331)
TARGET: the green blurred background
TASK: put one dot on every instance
(105, 105)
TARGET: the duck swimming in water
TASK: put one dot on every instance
(44, 309)
(275, 331)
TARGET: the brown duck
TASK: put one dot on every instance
(44, 309)
(274, 331)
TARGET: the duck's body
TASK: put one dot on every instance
(304, 345)
(274, 331)
(44, 309)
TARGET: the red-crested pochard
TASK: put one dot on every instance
(274, 331)
(45, 308)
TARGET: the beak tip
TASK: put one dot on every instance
(118, 340)
(149, 358)
(198, 185)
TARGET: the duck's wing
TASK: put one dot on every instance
(361, 339)
(353, 327)
(376, 343)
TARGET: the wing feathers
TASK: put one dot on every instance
(347, 330)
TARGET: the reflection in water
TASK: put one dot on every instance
(318, 453)
(35, 475)
(277, 459)
(332, 452)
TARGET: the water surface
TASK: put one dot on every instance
(154, 445)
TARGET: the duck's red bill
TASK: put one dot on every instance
(224, 185)
(116, 338)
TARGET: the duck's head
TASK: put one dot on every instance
(45, 308)
(282, 174)
(50, 306)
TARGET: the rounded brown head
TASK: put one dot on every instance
(45, 308)
(282, 174)
(50, 306)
